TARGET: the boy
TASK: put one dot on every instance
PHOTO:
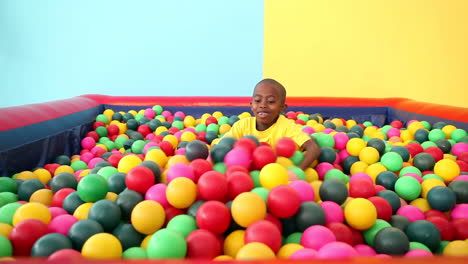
(269, 125)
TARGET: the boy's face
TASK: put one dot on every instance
(267, 104)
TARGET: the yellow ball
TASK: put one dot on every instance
(247, 208)
(158, 156)
(122, 129)
(358, 166)
(188, 136)
(456, 248)
(181, 192)
(311, 174)
(64, 168)
(318, 127)
(355, 145)
(217, 114)
(448, 129)
(224, 128)
(369, 155)
(148, 216)
(414, 126)
(189, 121)
(288, 249)
(233, 242)
(422, 204)
(370, 130)
(360, 213)
(350, 123)
(103, 246)
(111, 196)
(285, 162)
(373, 170)
(109, 113)
(428, 184)
(32, 211)
(144, 243)
(223, 258)
(450, 156)
(176, 159)
(82, 211)
(272, 175)
(26, 175)
(172, 139)
(128, 162)
(43, 196)
(316, 186)
(43, 175)
(160, 129)
(255, 251)
(447, 169)
(406, 136)
(5, 229)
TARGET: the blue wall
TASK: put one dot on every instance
(55, 49)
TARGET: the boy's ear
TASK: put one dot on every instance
(285, 106)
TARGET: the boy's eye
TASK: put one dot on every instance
(271, 101)
(257, 100)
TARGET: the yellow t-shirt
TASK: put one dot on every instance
(283, 127)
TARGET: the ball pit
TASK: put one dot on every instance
(146, 183)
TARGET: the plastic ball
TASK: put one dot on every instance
(355, 145)
(43, 196)
(183, 224)
(447, 169)
(105, 212)
(238, 156)
(265, 232)
(424, 232)
(283, 201)
(238, 182)
(309, 214)
(166, 243)
(262, 156)
(391, 241)
(333, 190)
(342, 232)
(62, 224)
(317, 236)
(304, 254)
(360, 213)
(369, 155)
(50, 243)
(36, 211)
(285, 147)
(247, 208)
(196, 149)
(102, 246)
(233, 242)
(203, 244)
(128, 162)
(92, 187)
(66, 254)
(148, 216)
(408, 188)
(457, 248)
(200, 166)
(255, 251)
(272, 175)
(304, 189)
(461, 190)
(181, 192)
(460, 228)
(157, 193)
(213, 216)
(336, 250)
(384, 209)
(27, 188)
(441, 198)
(333, 212)
(361, 188)
(25, 234)
(212, 185)
(411, 212)
(443, 225)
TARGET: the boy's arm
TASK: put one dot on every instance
(312, 152)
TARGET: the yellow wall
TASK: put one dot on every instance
(369, 48)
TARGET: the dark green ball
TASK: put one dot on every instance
(329, 124)
(196, 149)
(154, 167)
(400, 222)
(63, 180)
(289, 226)
(444, 145)
(439, 125)
(107, 213)
(334, 190)
(227, 142)
(117, 116)
(442, 198)
(391, 241)
(402, 151)
(106, 155)
(327, 154)
(62, 160)
(182, 144)
(378, 144)
(357, 129)
(128, 235)
(71, 202)
(460, 188)
(127, 200)
(218, 152)
(424, 232)
(348, 162)
(116, 182)
(353, 135)
(128, 143)
(343, 129)
(391, 198)
(387, 179)
(143, 120)
(210, 136)
(421, 135)
(166, 124)
(153, 124)
(424, 161)
(28, 187)
(309, 214)
(233, 119)
(49, 244)
(82, 230)
(193, 209)
(127, 116)
(132, 124)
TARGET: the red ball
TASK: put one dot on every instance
(247, 143)
(167, 147)
(358, 238)
(361, 188)
(214, 216)
(283, 201)
(291, 115)
(384, 209)
(265, 232)
(114, 159)
(396, 124)
(140, 179)
(435, 152)
(300, 122)
(157, 138)
(379, 188)
(463, 165)
(211, 120)
(414, 148)
(239, 182)
(285, 147)
(203, 244)
(112, 130)
(236, 168)
(275, 221)
(172, 212)
(144, 130)
(460, 226)
(60, 195)
(463, 156)
(200, 166)
(25, 234)
(262, 156)
(342, 232)
(52, 167)
(212, 185)
(433, 212)
(173, 130)
(444, 226)
(202, 136)
(94, 135)
(97, 124)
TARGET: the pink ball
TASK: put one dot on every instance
(86, 157)
(317, 236)
(178, 134)
(180, 151)
(417, 253)
(180, 170)
(149, 136)
(462, 177)
(309, 130)
(65, 255)
(238, 156)
(328, 130)
(93, 162)
(459, 147)
(333, 212)
(304, 189)
(149, 113)
(304, 253)
(166, 113)
(56, 211)
(411, 212)
(179, 114)
(336, 250)
(414, 175)
(341, 139)
(88, 143)
(190, 129)
(360, 175)
(393, 132)
(62, 224)
(149, 144)
(365, 250)
(343, 154)
(460, 211)
(157, 193)
(322, 168)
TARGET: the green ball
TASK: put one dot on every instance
(166, 244)
(334, 190)
(424, 232)
(79, 165)
(309, 213)
(200, 128)
(183, 224)
(8, 197)
(327, 154)
(8, 184)
(391, 241)
(417, 245)
(220, 166)
(107, 172)
(436, 134)
(63, 180)
(410, 169)
(138, 117)
(127, 116)
(399, 221)
(298, 172)
(218, 152)
(336, 174)
(408, 188)
(262, 191)
(103, 140)
(82, 230)
(294, 238)
(105, 212)
(158, 109)
(324, 140)
(439, 125)
(137, 146)
(223, 120)
(357, 129)
(387, 179)
(128, 235)
(442, 246)
(193, 209)
(426, 124)
(367, 123)
(28, 187)
(92, 187)
(210, 135)
(71, 202)
(178, 124)
(432, 176)
(255, 175)
(444, 145)
(7, 211)
(119, 142)
(442, 198)
(392, 161)
(134, 253)
(424, 161)
(297, 157)
(369, 234)
(116, 182)
(427, 144)
(458, 134)
(6, 248)
(102, 131)
(132, 124)
(213, 127)
(103, 118)
(110, 145)
(233, 119)
(402, 151)
(348, 162)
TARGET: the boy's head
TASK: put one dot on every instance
(268, 102)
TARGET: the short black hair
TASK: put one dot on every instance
(275, 83)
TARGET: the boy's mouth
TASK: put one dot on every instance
(262, 114)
